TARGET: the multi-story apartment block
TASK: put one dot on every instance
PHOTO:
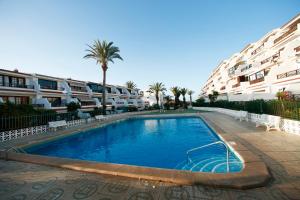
(262, 68)
(55, 93)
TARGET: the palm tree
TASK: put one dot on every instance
(176, 92)
(190, 93)
(213, 97)
(183, 92)
(167, 100)
(130, 85)
(103, 52)
(156, 88)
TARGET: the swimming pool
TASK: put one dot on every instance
(148, 142)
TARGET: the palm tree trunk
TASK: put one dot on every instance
(190, 99)
(157, 98)
(184, 102)
(104, 93)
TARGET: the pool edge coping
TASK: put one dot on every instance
(254, 174)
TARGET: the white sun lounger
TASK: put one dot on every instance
(242, 115)
(269, 121)
(56, 124)
(100, 117)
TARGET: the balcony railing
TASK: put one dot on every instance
(266, 60)
(78, 89)
(236, 85)
(257, 49)
(283, 36)
(257, 80)
(51, 87)
(16, 85)
(88, 103)
(289, 74)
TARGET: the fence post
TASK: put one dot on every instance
(298, 113)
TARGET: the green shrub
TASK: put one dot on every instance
(199, 102)
(132, 109)
(286, 109)
(72, 107)
(9, 109)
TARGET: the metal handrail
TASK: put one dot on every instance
(16, 149)
(207, 145)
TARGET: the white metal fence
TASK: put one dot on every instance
(286, 125)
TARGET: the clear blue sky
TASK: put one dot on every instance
(174, 42)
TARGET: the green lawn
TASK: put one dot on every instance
(175, 112)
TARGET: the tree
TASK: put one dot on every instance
(200, 102)
(72, 107)
(176, 92)
(183, 92)
(130, 85)
(167, 100)
(213, 97)
(190, 93)
(155, 89)
(103, 52)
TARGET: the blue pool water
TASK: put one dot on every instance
(153, 142)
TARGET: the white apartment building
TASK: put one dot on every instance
(262, 68)
(55, 93)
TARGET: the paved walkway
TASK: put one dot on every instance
(280, 151)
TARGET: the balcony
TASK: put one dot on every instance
(236, 85)
(88, 103)
(266, 60)
(292, 29)
(289, 74)
(257, 50)
(78, 89)
(4, 84)
(257, 80)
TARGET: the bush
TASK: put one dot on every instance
(96, 111)
(167, 106)
(72, 107)
(286, 109)
(199, 102)
(9, 109)
(132, 109)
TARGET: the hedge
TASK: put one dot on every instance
(286, 109)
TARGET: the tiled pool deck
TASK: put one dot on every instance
(280, 151)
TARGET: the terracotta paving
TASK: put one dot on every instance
(280, 151)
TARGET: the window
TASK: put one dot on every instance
(95, 87)
(55, 101)
(252, 77)
(15, 100)
(14, 81)
(108, 89)
(21, 82)
(1, 80)
(12, 100)
(259, 74)
(47, 84)
(120, 90)
(231, 70)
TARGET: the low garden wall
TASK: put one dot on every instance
(286, 125)
(14, 134)
(23, 132)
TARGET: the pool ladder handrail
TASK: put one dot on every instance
(208, 145)
(16, 149)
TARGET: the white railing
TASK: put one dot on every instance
(286, 125)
